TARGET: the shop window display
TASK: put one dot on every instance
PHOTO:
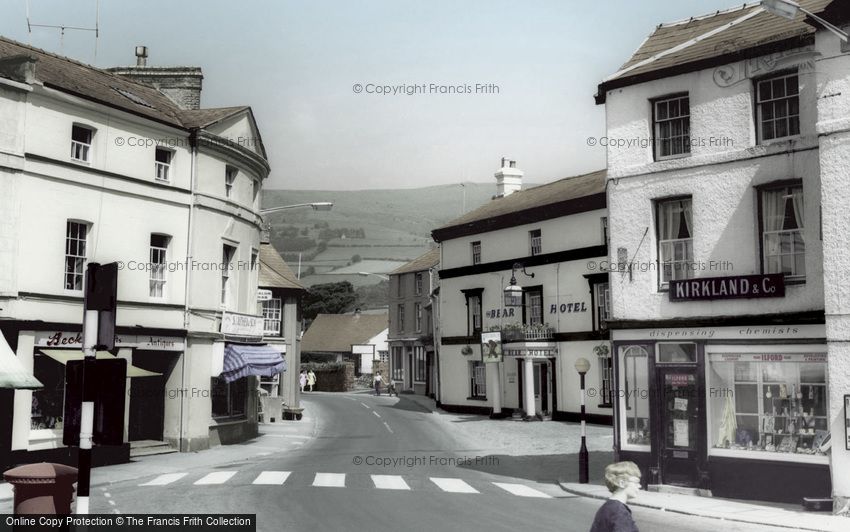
(634, 394)
(48, 402)
(769, 402)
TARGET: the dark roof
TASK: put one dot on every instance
(337, 332)
(562, 197)
(725, 36)
(420, 263)
(206, 117)
(274, 271)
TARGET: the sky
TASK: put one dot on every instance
(522, 76)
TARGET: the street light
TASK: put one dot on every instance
(582, 366)
(789, 9)
(513, 292)
(317, 206)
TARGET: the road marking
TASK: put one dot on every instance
(388, 427)
(453, 485)
(522, 490)
(216, 477)
(330, 480)
(271, 477)
(389, 482)
(377, 414)
(162, 480)
(364, 404)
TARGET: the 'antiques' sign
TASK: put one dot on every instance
(739, 287)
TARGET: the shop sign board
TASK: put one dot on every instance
(146, 342)
(768, 357)
(245, 325)
(264, 294)
(491, 347)
(737, 287)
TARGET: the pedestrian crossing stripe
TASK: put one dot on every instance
(338, 480)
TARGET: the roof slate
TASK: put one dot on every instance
(337, 332)
(274, 271)
(557, 191)
(205, 117)
(427, 260)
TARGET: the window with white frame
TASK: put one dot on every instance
(535, 242)
(783, 244)
(76, 235)
(162, 165)
(675, 242)
(229, 179)
(606, 375)
(419, 363)
(672, 127)
(401, 317)
(473, 310)
(398, 363)
(477, 379)
(81, 139)
(158, 267)
(272, 314)
(633, 395)
(476, 252)
(602, 303)
(227, 254)
(417, 309)
(778, 107)
(418, 283)
(532, 311)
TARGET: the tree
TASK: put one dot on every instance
(329, 298)
(372, 296)
(355, 259)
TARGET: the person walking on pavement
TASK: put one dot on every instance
(378, 381)
(623, 481)
(302, 380)
(311, 379)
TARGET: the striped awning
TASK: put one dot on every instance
(12, 372)
(241, 360)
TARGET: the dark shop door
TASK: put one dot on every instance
(679, 421)
(148, 395)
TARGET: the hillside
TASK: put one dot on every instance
(368, 230)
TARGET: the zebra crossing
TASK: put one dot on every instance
(341, 480)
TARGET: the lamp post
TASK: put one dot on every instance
(582, 366)
(789, 9)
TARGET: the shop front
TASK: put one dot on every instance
(739, 411)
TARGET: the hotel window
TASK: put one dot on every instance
(634, 395)
(419, 364)
(272, 313)
(229, 180)
(81, 139)
(602, 304)
(401, 317)
(473, 311)
(477, 380)
(783, 244)
(778, 107)
(229, 399)
(163, 164)
(158, 267)
(398, 363)
(476, 253)
(532, 310)
(535, 242)
(417, 309)
(418, 283)
(76, 234)
(227, 254)
(672, 127)
(768, 402)
(606, 375)
(675, 242)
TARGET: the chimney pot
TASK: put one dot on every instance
(141, 55)
(508, 178)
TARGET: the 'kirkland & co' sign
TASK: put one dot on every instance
(738, 287)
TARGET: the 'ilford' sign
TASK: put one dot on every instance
(739, 287)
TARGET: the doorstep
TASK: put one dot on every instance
(744, 512)
(149, 447)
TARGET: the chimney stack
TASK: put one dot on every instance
(508, 178)
(182, 85)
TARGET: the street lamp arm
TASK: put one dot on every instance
(317, 206)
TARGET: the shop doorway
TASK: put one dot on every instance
(148, 395)
(679, 438)
(542, 388)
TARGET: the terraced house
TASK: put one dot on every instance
(526, 270)
(125, 166)
(729, 377)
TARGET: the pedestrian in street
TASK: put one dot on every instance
(378, 381)
(623, 481)
(302, 380)
(311, 379)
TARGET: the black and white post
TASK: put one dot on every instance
(582, 366)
